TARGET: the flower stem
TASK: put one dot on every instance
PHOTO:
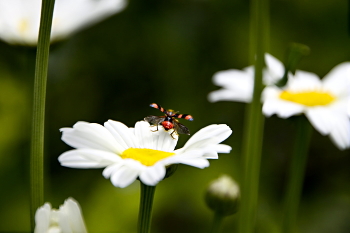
(145, 211)
(253, 137)
(217, 220)
(296, 174)
(37, 139)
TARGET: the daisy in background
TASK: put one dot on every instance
(324, 102)
(238, 84)
(143, 152)
(20, 19)
(68, 219)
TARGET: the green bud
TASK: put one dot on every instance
(222, 195)
(294, 55)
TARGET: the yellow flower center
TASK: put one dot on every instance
(308, 98)
(147, 157)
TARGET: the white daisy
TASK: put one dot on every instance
(20, 19)
(238, 84)
(67, 219)
(324, 102)
(142, 152)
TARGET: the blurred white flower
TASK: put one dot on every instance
(142, 152)
(68, 219)
(238, 84)
(20, 19)
(324, 102)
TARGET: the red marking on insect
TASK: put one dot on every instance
(167, 125)
(168, 121)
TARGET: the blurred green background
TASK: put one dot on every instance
(166, 52)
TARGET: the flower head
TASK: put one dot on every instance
(20, 19)
(324, 102)
(223, 195)
(142, 152)
(238, 84)
(67, 219)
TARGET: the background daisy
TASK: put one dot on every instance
(19, 19)
(324, 102)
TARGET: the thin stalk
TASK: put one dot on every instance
(145, 211)
(252, 142)
(37, 139)
(296, 174)
(217, 220)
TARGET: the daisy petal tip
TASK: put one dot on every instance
(227, 149)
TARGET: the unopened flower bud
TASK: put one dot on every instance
(222, 195)
(68, 218)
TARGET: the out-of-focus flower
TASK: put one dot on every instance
(142, 152)
(223, 195)
(68, 219)
(349, 107)
(324, 102)
(238, 84)
(20, 19)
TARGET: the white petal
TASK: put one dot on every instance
(274, 70)
(152, 175)
(195, 157)
(219, 148)
(110, 169)
(124, 176)
(233, 78)
(209, 151)
(321, 119)
(336, 124)
(338, 80)
(90, 135)
(155, 137)
(164, 140)
(144, 134)
(122, 134)
(42, 218)
(283, 109)
(87, 158)
(230, 95)
(237, 86)
(212, 134)
(304, 81)
(195, 162)
(340, 133)
(211, 155)
(70, 218)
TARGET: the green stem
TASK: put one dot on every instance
(217, 222)
(296, 174)
(254, 127)
(145, 211)
(37, 140)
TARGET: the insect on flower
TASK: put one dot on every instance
(168, 121)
